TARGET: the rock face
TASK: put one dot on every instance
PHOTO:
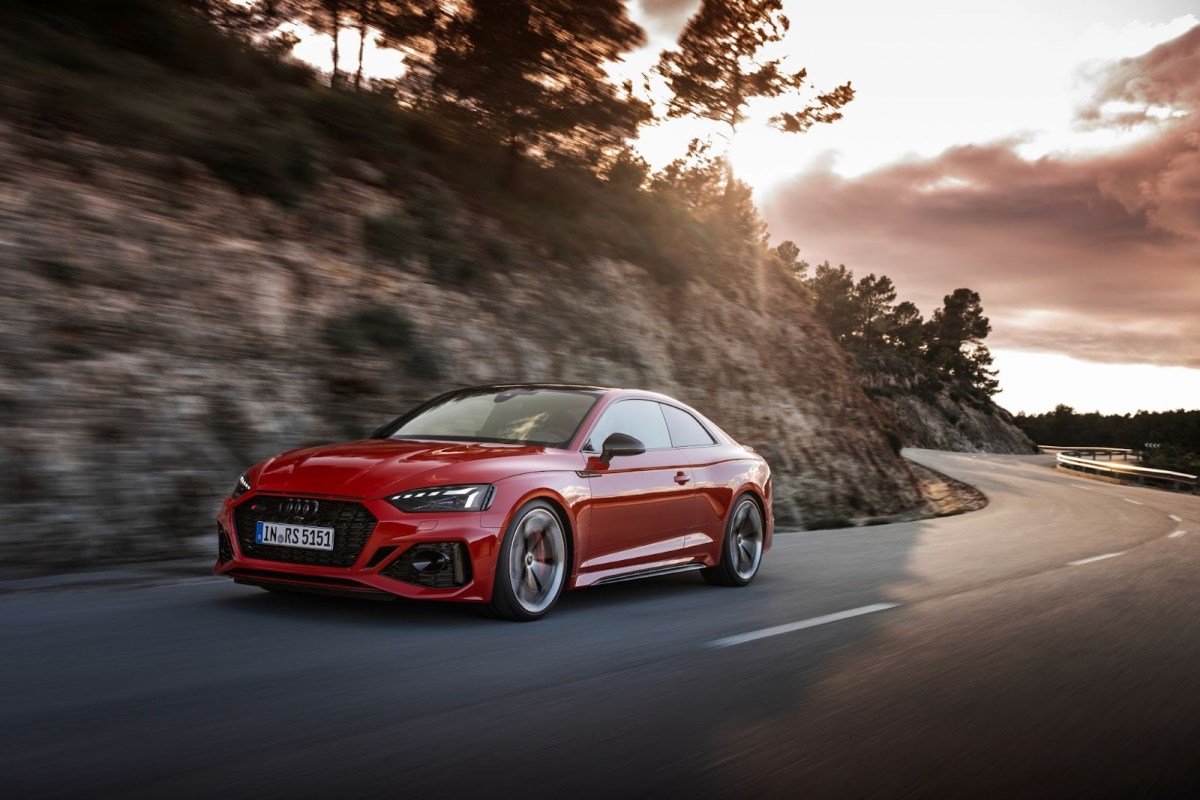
(159, 333)
(944, 422)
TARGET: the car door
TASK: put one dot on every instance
(641, 505)
(710, 492)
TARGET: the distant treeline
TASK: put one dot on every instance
(1170, 439)
(890, 338)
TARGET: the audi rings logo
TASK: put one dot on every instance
(294, 507)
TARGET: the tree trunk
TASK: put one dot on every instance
(735, 106)
(364, 13)
(336, 18)
(729, 198)
(729, 179)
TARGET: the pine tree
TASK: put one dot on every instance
(905, 327)
(954, 338)
(533, 71)
(716, 69)
(873, 298)
(833, 300)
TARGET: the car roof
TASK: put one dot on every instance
(576, 386)
(583, 387)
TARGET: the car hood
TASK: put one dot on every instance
(380, 467)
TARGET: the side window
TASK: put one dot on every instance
(638, 418)
(686, 430)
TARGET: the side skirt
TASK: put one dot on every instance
(653, 572)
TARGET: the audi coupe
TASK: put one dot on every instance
(505, 496)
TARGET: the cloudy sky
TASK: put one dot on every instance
(1044, 154)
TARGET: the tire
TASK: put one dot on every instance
(532, 565)
(742, 547)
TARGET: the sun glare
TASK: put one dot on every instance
(315, 49)
(1036, 382)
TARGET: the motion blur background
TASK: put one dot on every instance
(230, 228)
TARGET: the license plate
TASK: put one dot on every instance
(302, 536)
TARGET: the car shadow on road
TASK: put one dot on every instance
(317, 608)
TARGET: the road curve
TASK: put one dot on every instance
(1048, 645)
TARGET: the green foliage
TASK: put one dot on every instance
(954, 338)
(432, 235)
(724, 211)
(717, 69)
(365, 125)
(788, 256)
(628, 170)
(253, 150)
(906, 329)
(834, 300)
(890, 338)
(390, 237)
(170, 83)
(379, 326)
(387, 329)
(437, 212)
(533, 72)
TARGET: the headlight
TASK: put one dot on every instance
(242, 486)
(476, 497)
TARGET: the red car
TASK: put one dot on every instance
(504, 495)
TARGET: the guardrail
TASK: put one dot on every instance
(1126, 473)
(1124, 452)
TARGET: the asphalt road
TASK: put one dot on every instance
(979, 655)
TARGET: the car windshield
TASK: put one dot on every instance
(512, 415)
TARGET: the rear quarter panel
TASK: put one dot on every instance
(722, 473)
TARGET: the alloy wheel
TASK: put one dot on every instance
(746, 540)
(537, 560)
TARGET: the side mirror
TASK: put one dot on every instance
(620, 444)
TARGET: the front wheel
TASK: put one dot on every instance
(742, 549)
(531, 569)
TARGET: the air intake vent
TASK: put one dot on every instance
(438, 565)
(224, 548)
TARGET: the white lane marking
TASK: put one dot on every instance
(1135, 502)
(1176, 534)
(1077, 486)
(1174, 518)
(763, 633)
(1083, 561)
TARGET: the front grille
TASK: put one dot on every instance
(224, 548)
(352, 525)
(455, 573)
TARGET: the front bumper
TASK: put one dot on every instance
(379, 569)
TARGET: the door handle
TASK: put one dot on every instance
(681, 478)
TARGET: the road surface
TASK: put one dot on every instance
(1048, 645)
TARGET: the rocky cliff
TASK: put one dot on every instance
(932, 415)
(160, 332)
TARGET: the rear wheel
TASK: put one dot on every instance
(531, 569)
(742, 549)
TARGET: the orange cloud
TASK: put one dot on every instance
(1106, 248)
